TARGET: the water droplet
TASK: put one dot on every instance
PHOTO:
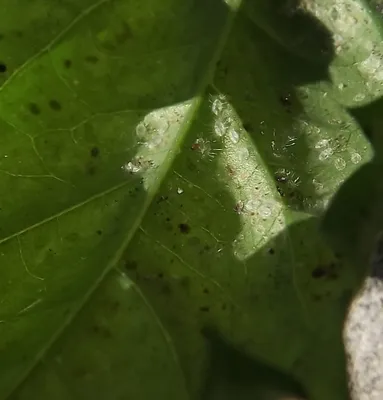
(322, 143)
(340, 164)
(180, 191)
(141, 130)
(217, 106)
(234, 136)
(264, 211)
(356, 158)
(326, 153)
(219, 128)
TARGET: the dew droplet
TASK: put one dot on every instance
(179, 190)
(264, 211)
(340, 164)
(141, 130)
(234, 136)
(326, 153)
(322, 143)
(356, 158)
(219, 128)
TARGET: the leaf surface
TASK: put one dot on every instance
(142, 205)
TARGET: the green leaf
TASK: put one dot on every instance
(147, 202)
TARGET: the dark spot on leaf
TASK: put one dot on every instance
(160, 275)
(184, 228)
(34, 108)
(54, 105)
(99, 232)
(280, 191)
(131, 265)
(19, 34)
(1, 36)
(204, 309)
(206, 291)
(318, 272)
(91, 170)
(271, 251)
(3, 67)
(167, 219)
(125, 33)
(224, 306)
(166, 289)
(185, 282)
(91, 59)
(95, 151)
(316, 297)
(281, 178)
(67, 63)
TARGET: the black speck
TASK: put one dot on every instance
(54, 105)
(204, 309)
(130, 265)
(184, 228)
(318, 272)
(160, 275)
(67, 63)
(95, 151)
(185, 282)
(166, 289)
(3, 67)
(206, 291)
(99, 232)
(316, 297)
(34, 108)
(91, 59)
(271, 251)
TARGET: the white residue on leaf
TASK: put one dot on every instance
(131, 167)
(356, 158)
(356, 36)
(179, 190)
(255, 200)
(340, 164)
(234, 136)
(326, 153)
(218, 104)
(157, 134)
(219, 127)
(125, 282)
(322, 143)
